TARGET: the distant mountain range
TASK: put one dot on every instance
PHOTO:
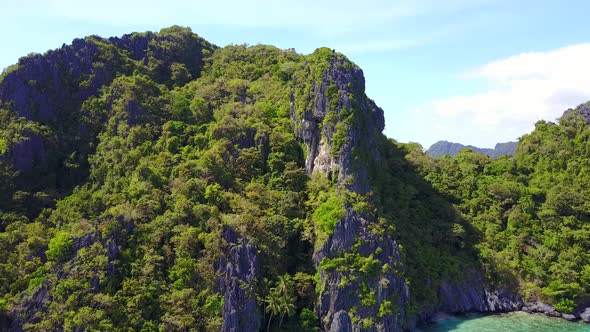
(442, 148)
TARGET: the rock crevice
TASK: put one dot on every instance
(239, 271)
(336, 106)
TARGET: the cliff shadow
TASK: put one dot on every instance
(438, 247)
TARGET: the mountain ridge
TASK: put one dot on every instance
(442, 148)
(159, 182)
(135, 89)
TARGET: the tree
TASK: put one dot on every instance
(281, 299)
(273, 306)
(60, 246)
(284, 285)
(287, 307)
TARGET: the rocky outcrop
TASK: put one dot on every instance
(40, 87)
(582, 112)
(239, 271)
(569, 317)
(339, 92)
(467, 295)
(32, 306)
(442, 148)
(29, 152)
(503, 300)
(27, 311)
(44, 87)
(541, 308)
(471, 294)
(49, 89)
(340, 293)
(341, 322)
(585, 315)
(339, 125)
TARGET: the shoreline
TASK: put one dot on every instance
(441, 316)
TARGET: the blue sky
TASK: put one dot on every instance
(472, 71)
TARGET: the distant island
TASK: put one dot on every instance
(442, 148)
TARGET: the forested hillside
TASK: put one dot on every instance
(531, 211)
(159, 182)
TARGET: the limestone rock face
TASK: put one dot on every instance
(585, 315)
(569, 317)
(36, 303)
(41, 85)
(334, 144)
(542, 308)
(239, 270)
(340, 294)
(503, 300)
(442, 148)
(29, 152)
(48, 91)
(472, 295)
(582, 112)
(463, 296)
(340, 91)
(341, 322)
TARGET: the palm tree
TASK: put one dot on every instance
(284, 284)
(287, 306)
(273, 305)
(265, 288)
(280, 300)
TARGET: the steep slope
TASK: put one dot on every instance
(442, 148)
(48, 131)
(531, 212)
(158, 182)
(581, 113)
(193, 205)
(357, 266)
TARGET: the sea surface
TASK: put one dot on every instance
(516, 322)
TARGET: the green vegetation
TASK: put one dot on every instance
(115, 204)
(281, 300)
(176, 157)
(530, 212)
(328, 214)
(60, 246)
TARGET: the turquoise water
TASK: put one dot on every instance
(514, 322)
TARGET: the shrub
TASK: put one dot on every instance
(565, 305)
(60, 246)
(329, 213)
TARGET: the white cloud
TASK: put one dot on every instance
(524, 88)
